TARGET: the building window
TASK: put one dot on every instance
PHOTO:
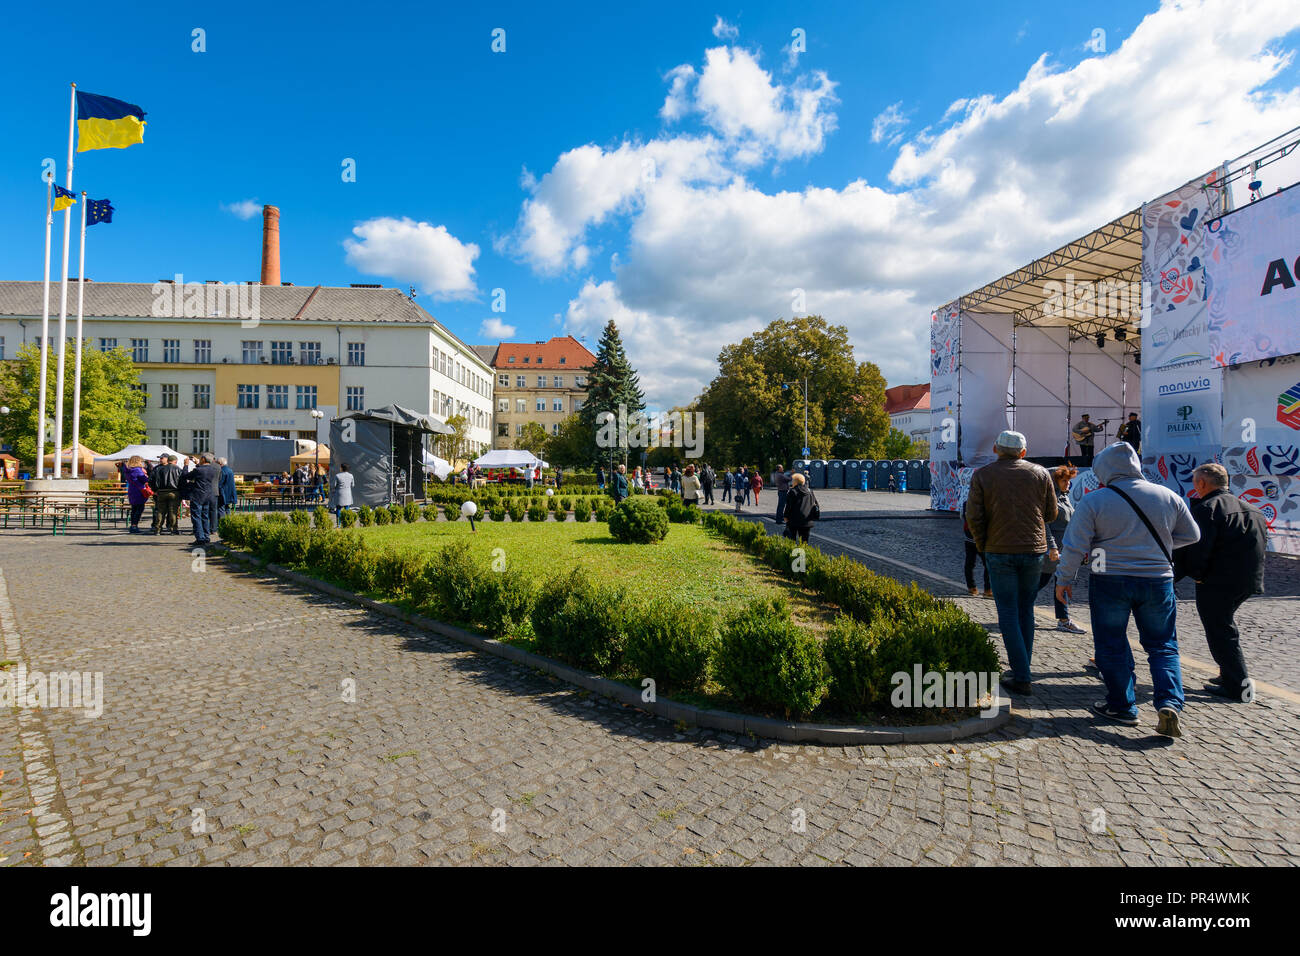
(202, 441)
(171, 350)
(169, 437)
(577, 405)
(2, 347)
(143, 392)
(202, 396)
(356, 353)
(309, 353)
(503, 381)
(306, 396)
(442, 364)
(541, 381)
(281, 353)
(139, 350)
(555, 428)
(541, 404)
(519, 431)
(511, 359)
(579, 381)
(171, 396)
(557, 405)
(277, 396)
(503, 405)
(105, 345)
(203, 351)
(521, 405)
(252, 352)
(558, 381)
(520, 382)
(525, 360)
(561, 359)
(247, 396)
(503, 430)
(356, 395)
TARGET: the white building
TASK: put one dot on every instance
(210, 375)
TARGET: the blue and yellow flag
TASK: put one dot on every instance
(104, 123)
(98, 210)
(62, 198)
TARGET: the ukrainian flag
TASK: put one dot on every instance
(62, 198)
(104, 123)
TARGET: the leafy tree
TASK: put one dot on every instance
(455, 445)
(611, 383)
(533, 439)
(896, 444)
(110, 403)
(569, 448)
(754, 408)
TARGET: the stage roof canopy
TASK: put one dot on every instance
(1108, 257)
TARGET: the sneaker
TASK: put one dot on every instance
(1103, 709)
(973, 592)
(1167, 724)
(1220, 690)
(1022, 687)
(988, 592)
(1068, 625)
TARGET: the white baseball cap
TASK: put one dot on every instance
(1011, 441)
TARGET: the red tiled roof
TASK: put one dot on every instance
(544, 355)
(907, 398)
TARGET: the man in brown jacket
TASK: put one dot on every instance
(1010, 504)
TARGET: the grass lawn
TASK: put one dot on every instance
(688, 564)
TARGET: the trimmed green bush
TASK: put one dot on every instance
(516, 509)
(430, 512)
(347, 518)
(537, 513)
(581, 510)
(566, 504)
(580, 622)
(497, 512)
(503, 602)
(638, 521)
(411, 511)
(672, 642)
(366, 515)
(382, 516)
(768, 661)
(551, 503)
(396, 514)
(300, 518)
(457, 572)
(321, 517)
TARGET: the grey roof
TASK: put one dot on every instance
(136, 300)
(486, 352)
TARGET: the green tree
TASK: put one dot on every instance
(110, 402)
(533, 438)
(611, 383)
(896, 444)
(569, 447)
(754, 408)
(455, 445)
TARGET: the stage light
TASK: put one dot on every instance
(1120, 335)
(1101, 340)
(1137, 358)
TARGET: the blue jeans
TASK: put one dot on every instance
(1111, 598)
(780, 505)
(1015, 586)
(201, 519)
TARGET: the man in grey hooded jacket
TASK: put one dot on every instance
(1128, 531)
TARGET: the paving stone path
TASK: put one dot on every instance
(247, 720)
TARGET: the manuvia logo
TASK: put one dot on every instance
(1288, 407)
(74, 909)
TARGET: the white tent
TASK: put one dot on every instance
(147, 452)
(510, 458)
(439, 467)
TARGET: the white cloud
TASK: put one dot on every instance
(418, 252)
(494, 328)
(998, 180)
(724, 30)
(889, 124)
(244, 209)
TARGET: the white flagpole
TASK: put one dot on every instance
(45, 332)
(76, 378)
(63, 302)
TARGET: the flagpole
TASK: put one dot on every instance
(76, 378)
(63, 301)
(45, 332)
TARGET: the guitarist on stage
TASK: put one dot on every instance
(1083, 433)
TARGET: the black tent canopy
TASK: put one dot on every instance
(384, 450)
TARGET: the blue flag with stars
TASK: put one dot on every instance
(98, 210)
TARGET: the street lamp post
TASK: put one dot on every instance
(785, 387)
(317, 414)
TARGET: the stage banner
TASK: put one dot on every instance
(1174, 470)
(1261, 405)
(945, 350)
(1279, 498)
(1252, 257)
(1173, 254)
(1182, 407)
(1042, 366)
(985, 377)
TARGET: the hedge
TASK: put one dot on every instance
(638, 521)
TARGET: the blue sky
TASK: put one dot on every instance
(674, 167)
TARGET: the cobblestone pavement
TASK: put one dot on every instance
(224, 704)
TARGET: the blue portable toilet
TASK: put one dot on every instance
(881, 479)
(924, 484)
(914, 474)
(800, 465)
(835, 474)
(900, 473)
(866, 470)
(852, 467)
(817, 473)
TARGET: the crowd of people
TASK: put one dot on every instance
(1137, 538)
(204, 487)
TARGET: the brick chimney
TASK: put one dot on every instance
(270, 245)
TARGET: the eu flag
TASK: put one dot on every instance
(62, 198)
(104, 123)
(98, 210)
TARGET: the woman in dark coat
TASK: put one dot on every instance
(801, 509)
(137, 480)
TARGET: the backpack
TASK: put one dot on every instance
(816, 513)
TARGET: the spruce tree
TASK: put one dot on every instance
(611, 382)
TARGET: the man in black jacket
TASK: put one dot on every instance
(200, 486)
(166, 484)
(1228, 567)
